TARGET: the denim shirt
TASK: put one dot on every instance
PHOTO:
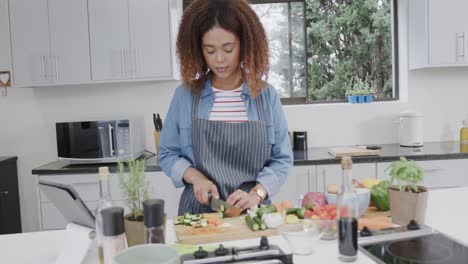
(175, 150)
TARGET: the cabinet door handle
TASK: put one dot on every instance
(122, 60)
(42, 63)
(4, 193)
(460, 48)
(56, 67)
(432, 170)
(463, 46)
(111, 140)
(137, 67)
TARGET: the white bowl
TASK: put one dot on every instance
(148, 254)
(303, 236)
(363, 199)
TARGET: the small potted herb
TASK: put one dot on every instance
(360, 92)
(134, 186)
(408, 200)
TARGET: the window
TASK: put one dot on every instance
(319, 49)
(350, 41)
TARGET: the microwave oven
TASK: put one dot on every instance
(103, 141)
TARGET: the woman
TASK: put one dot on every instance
(225, 133)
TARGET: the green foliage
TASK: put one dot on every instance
(405, 172)
(348, 41)
(359, 87)
(134, 185)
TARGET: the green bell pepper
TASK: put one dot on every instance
(380, 196)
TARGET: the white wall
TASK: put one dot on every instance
(27, 116)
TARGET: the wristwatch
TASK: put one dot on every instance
(260, 193)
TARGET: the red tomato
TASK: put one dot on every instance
(308, 214)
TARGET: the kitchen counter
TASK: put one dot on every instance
(313, 156)
(443, 213)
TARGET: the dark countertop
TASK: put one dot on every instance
(314, 156)
(5, 159)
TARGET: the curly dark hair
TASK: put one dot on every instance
(235, 16)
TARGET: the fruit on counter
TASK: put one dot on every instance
(380, 196)
(308, 213)
(292, 219)
(266, 210)
(370, 182)
(332, 188)
(325, 212)
(251, 223)
(273, 220)
(213, 219)
(313, 199)
(299, 212)
(286, 204)
(358, 184)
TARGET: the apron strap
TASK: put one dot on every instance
(196, 98)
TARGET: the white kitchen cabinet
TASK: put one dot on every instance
(332, 174)
(49, 41)
(29, 32)
(130, 39)
(69, 41)
(150, 39)
(437, 33)
(299, 182)
(437, 173)
(109, 39)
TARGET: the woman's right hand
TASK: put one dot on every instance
(201, 185)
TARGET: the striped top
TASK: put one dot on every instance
(228, 106)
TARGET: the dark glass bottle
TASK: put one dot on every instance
(347, 212)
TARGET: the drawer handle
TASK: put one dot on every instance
(4, 193)
(432, 169)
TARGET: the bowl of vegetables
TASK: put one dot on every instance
(363, 199)
(303, 235)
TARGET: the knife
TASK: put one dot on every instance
(222, 206)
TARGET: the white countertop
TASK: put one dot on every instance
(447, 212)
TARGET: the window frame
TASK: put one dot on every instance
(305, 100)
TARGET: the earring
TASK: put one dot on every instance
(242, 64)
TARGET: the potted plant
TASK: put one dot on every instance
(134, 186)
(408, 200)
(360, 92)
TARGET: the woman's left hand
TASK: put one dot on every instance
(243, 200)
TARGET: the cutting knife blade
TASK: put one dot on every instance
(219, 205)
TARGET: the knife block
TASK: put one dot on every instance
(157, 134)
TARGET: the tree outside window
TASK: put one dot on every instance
(320, 48)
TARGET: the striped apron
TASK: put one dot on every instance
(231, 155)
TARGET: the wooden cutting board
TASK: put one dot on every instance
(339, 152)
(236, 230)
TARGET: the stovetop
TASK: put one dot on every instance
(263, 253)
(412, 244)
(436, 248)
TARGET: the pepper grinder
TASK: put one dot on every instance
(153, 211)
(113, 240)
